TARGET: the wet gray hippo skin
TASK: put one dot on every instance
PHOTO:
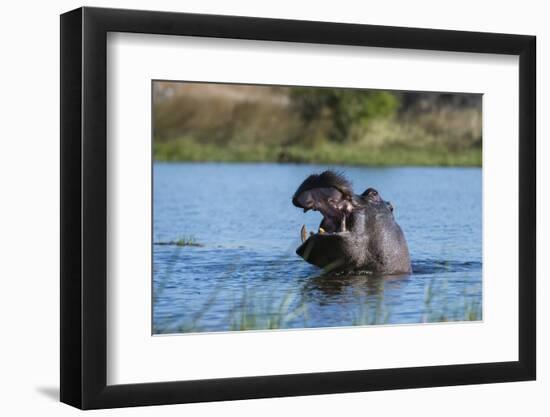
(357, 233)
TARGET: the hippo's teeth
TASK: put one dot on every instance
(303, 233)
(321, 230)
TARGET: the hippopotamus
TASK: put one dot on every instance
(357, 233)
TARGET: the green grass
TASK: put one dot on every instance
(426, 154)
(184, 241)
(252, 312)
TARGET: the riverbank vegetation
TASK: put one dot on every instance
(240, 123)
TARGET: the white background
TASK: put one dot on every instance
(29, 214)
(133, 60)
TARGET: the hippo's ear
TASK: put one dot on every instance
(371, 194)
(369, 191)
(390, 206)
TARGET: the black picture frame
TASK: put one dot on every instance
(84, 207)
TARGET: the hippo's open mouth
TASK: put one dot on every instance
(329, 194)
(325, 249)
(331, 223)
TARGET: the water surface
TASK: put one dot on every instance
(246, 274)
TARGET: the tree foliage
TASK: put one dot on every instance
(345, 109)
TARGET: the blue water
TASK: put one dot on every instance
(246, 274)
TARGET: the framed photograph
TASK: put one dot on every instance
(257, 208)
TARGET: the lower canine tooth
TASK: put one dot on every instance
(303, 233)
(321, 230)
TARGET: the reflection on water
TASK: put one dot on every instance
(245, 275)
(327, 288)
